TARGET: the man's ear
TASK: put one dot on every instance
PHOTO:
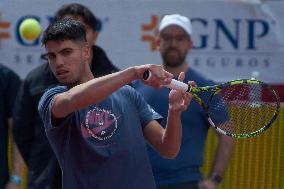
(158, 41)
(86, 51)
(190, 45)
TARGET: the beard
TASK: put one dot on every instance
(72, 83)
(173, 58)
(69, 83)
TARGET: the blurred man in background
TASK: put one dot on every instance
(174, 41)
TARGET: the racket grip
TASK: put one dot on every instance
(175, 84)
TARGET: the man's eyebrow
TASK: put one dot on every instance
(64, 49)
(44, 56)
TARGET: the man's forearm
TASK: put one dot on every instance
(172, 136)
(91, 92)
(17, 161)
(222, 155)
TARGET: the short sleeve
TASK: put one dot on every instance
(45, 104)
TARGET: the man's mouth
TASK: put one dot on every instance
(61, 73)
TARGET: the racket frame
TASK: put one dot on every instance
(217, 88)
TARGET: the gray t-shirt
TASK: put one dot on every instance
(102, 146)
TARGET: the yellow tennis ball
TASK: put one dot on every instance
(30, 29)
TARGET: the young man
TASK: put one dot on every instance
(97, 126)
(9, 85)
(43, 168)
(175, 42)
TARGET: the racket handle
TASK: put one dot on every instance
(175, 84)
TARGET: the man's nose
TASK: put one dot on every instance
(173, 42)
(59, 61)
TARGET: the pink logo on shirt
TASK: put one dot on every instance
(100, 124)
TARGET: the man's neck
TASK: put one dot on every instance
(176, 70)
(91, 56)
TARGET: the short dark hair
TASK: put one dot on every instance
(65, 29)
(76, 9)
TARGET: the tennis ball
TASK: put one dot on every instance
(30, 29)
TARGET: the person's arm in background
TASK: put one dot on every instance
(15, 181)
(222, 156)
(11, 91)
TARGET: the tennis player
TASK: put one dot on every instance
(97, 127)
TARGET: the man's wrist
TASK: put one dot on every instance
(16, 179)
(173, 111)
(215, 177)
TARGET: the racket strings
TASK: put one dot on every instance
(244, 108)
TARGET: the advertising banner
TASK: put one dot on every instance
(231, 40)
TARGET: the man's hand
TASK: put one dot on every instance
(178, 99)
(12, 185)
(159, 77)
(207, 184)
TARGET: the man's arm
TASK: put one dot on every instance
(13, 83)
(15, 181)
(98, 89)
(222, 156)
(167, 141)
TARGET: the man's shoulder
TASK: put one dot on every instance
(39, 71)
(199, 78)
(6, 71)
(57, 89)
(4, 68)
(7, 75)
(50, 93)
(99, 54)
(40, 78)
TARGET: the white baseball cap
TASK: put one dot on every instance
(176, 19)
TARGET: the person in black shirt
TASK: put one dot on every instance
(9, 85)
(44, 171)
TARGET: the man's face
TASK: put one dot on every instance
(68, 60)
(174, 44)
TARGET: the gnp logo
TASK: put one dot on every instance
(5, 25)
(234, 32)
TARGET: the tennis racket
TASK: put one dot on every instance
(241, 108)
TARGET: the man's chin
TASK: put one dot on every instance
(65, 82)
(173, 64)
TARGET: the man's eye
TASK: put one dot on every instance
(166, 38)
(66, 52)
(50, 56)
